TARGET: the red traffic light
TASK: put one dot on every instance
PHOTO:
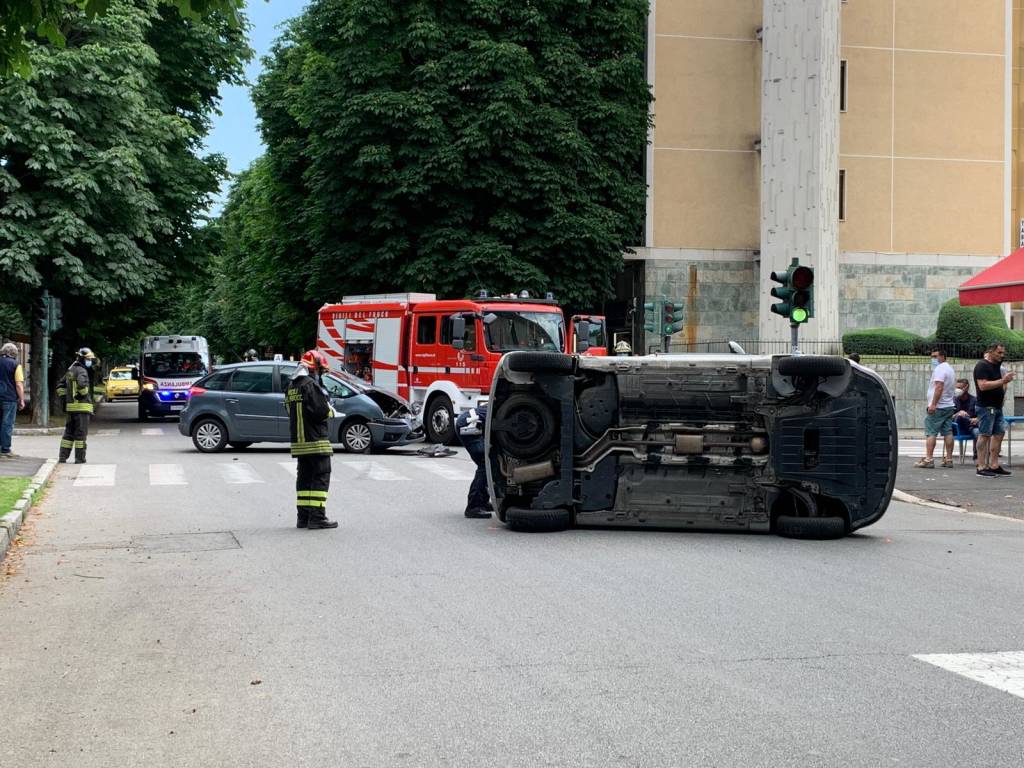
(802, 278)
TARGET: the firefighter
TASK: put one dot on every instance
(75, 390)
(308, 411)
(470, 428)
(622, 349)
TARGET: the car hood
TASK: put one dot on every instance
(389, 402)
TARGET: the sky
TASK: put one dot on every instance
(234, 133)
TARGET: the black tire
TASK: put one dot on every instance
(439, 420)
(539, 362)
(209, 435)
(239, 446)
(524, 427)
(538, 520)
(356, 436)
(810, 527)
(818, 366)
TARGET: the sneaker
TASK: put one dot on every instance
(986, 473)
(1000, 472)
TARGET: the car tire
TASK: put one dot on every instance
(539, 362)
(355, 435)
(538, 520)
(239, 446)
(537, 430)
(209, 435)
(439, 420)
(810, 527)
(807, 366)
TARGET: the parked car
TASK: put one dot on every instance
(242, 404)
(121, 384)
(802, 446)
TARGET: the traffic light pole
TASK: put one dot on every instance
(794, 338)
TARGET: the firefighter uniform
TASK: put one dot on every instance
(308, 411)
(75, 390)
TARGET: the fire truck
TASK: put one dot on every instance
(441, 355)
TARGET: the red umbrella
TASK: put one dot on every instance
(1001, 283)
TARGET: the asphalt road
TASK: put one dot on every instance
(150, 622)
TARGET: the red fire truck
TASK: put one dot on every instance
(439, 355)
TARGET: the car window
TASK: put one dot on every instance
(470, 339)
(120, 375)
(284, 375)
(254, 379)
(217, 382)
(426, 329)
(336, 388)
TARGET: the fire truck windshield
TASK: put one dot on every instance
(508, 331)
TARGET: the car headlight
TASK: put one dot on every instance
(148, 386)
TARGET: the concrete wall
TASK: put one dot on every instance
(908, 383)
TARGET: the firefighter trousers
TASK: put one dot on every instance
(76, 431)
(312, 479)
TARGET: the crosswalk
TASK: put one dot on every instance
(408, 470)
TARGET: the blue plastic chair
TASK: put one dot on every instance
(958, 438)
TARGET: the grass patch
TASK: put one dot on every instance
(11, 489)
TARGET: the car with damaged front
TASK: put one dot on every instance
(802, 446)
(243, 403)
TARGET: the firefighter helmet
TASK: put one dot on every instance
(251, 354)
(623, 348)
(315, 360)
(86, 354)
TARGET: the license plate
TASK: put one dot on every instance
(177, 407)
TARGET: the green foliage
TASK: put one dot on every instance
(21, 20)
(443, 147)
(973, 328)
(882, 341)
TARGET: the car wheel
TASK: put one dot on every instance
(356, 436)
(538, 520)
(524, 427)
(440, 420)
(143, 416)
(810, 527)
(807, 366)
(239, 446)
(209, 436)
(539, 362)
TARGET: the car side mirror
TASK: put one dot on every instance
(582, 336)
(458, 331)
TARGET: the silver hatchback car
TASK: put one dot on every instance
(242, 404)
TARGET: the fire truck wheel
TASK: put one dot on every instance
(440, 420)
(356, 436)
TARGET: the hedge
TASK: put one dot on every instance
(972, 329)
(883, 341)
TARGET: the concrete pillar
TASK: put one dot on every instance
(800, 158)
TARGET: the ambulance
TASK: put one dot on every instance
(168, 367)
(440, 355)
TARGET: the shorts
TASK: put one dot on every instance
(939, 423)
(991, 421)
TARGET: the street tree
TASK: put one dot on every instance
(102, 184)
(432, 145)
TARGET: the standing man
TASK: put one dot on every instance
(990, 384)
(75, 389)
(470, 428)
(12, 395)
(308, 411)
(941, 407)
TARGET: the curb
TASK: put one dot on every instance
(11, 522)
(906, 498)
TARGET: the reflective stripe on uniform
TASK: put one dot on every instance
(67, 444)
(79, 408)
(314, 448)
(79, 443)
(312, 494)
(311, 503)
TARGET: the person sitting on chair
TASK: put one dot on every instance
(966, 416)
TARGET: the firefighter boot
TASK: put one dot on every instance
(302, 519)
(318, 519)
(79, 455)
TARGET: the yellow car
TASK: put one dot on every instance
(121, 385)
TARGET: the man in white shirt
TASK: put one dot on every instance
(941, 409)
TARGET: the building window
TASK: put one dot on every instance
(842, 194)
(842, 85)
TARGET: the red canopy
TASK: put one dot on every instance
(1001, 283)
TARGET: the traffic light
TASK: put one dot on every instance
(796, 293)
(672, 318)
(652, 314)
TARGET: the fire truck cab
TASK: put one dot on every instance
(588, 335)
(439, 355)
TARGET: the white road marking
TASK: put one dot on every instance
(375, 471)
(447, 471)
(96, 474)
(152, 430)
(291, 467)
(1003, 671)
(167, 474)
(239, 473)
(107, 432)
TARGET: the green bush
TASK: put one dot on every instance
(882, 341)
(967, 331)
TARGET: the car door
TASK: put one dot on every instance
(253, 405)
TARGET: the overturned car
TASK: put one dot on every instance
(803, 446)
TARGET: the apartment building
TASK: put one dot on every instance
(924, 96)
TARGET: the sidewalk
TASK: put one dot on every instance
(961, 487)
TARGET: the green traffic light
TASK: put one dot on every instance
(798, 315)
